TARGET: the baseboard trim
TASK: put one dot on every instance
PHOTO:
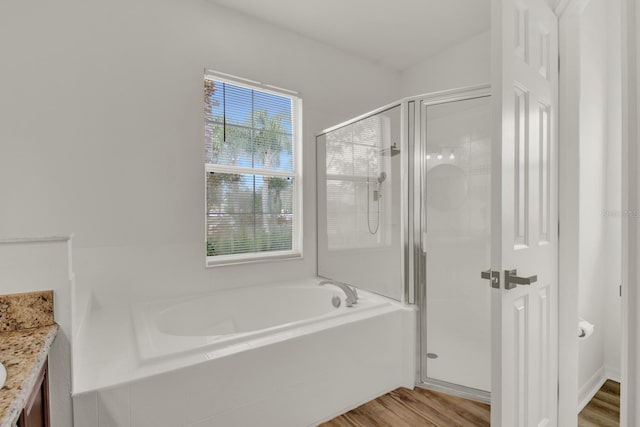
(613, 374)
(587, 391)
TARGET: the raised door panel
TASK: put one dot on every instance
(524, 213)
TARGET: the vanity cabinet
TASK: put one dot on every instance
(36, 410)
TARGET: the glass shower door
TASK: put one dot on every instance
(360, 199)
(456, 341)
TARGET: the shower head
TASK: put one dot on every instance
(382, 177)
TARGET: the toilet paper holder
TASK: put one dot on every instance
(585, 329)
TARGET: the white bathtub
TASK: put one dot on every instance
(224, 318)
(272, 355)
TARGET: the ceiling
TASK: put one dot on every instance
(394, 33)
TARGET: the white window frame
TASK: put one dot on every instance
(296, 128)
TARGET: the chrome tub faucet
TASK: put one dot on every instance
(352, 294)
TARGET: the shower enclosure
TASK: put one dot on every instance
(404, 211)
(360, 240)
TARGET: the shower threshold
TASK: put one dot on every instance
(456, 390)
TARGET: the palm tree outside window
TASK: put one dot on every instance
(253, 171)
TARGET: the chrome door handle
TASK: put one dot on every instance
(494, 276)
(512, 280)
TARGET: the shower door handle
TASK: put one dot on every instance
(512, 280)
(494, 276)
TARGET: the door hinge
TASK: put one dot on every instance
(620, 287)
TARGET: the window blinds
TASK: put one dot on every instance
(250, 170)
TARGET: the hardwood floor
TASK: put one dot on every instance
(420, 407)
(415, 408)
(604, 408)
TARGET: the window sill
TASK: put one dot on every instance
(223, 260)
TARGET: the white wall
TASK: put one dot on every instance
(467, 63)
(630, 389)
(569, 211)
(593, 111)
(599, 222)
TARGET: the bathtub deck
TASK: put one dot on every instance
(418, 407)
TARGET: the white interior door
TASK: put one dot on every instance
(524, 214)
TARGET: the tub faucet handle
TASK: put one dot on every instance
(351, 293)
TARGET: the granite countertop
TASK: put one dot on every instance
(27, 331)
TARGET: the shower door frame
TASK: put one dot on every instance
(417, 264)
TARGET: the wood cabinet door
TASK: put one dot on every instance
(36, 412)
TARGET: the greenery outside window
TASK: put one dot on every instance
(253, 171)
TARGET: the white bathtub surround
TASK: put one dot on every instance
(301, 372)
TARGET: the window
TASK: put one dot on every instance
(253, 171)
